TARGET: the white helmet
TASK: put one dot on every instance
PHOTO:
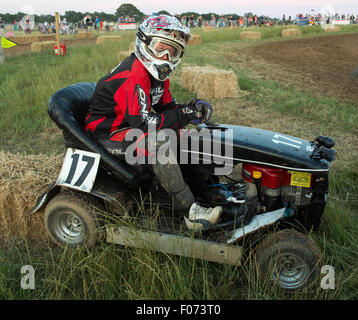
(159, 36)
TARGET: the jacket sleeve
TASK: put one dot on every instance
(166, 102)
(135, 96)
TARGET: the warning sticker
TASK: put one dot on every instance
(300, 179)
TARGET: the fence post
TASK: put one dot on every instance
(57, 22)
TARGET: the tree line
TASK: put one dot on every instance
(126, 9)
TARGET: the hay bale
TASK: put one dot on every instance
(42, 46)
(331, 28)
(209, 82)
(291, 32)
(196, 39)
(24, 39)
(23, 178)
(252, 35)
(85, 35)
(102, 39)
(47, 37)
(131, 46)
(206, 29)
(123, 55)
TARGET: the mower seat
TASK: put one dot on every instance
(68, 108)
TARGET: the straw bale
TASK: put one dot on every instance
(42, 46)
(102, 39)
(46, 37)
(332, 28)
(85, 35)
(209, 82)
(123, 55)
(250, 35)
(131, 46)
(24, 39)
(209, 29)
(23, 178)
(291, 32)
(195, 40)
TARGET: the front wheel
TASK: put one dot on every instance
(70, 219)
(289, 258)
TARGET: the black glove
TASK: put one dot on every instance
(198, 111)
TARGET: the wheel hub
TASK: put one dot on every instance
(290, 271)
(70, 228)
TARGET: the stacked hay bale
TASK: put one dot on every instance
(42, 46)
(85, 35)
(252, 35)
(29, 39)
(332, 28)
(206, 29)
(23, 178)
(291, 32)
(123, 55)
(209, 82)
(196, 39)
(102, 39)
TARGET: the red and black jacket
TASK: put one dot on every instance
(124, 97)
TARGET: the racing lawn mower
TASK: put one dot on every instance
(283, 186)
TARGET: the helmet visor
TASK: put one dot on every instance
(161, 47)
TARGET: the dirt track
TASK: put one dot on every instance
(327, 60)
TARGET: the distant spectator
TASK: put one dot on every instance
(97, 23)
(200, 21)
(2, 23)
(89, 23)
(213, 21)
(15, 25)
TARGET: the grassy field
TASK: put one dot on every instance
(114, 272)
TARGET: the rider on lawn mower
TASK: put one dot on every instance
(125, 98)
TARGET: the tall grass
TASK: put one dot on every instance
(116, 272)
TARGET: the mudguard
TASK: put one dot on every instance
(53, 189)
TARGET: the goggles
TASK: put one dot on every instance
(161, 47)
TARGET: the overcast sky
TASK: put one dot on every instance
(273, 8)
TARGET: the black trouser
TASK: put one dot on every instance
(169, 174)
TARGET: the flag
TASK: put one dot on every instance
(7, 43)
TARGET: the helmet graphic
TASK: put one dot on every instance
(160, 44)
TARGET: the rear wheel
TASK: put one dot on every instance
(71, 219)
(289, 258)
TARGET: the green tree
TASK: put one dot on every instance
(190, 13)
(73, 16)
(207, 16)
(164, 12)
(248, 14)
(128, 9)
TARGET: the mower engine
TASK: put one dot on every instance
(277, 188)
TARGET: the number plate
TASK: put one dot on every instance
(79, 170)
(300, 179)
